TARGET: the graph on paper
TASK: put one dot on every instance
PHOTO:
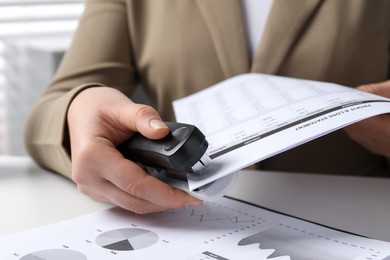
(222, 230)
(127, 239)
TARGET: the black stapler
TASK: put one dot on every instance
(181, 152)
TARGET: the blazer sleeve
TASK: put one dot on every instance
(100, 54)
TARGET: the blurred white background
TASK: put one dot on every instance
(34, 34)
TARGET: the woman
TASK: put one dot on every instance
(174, 48)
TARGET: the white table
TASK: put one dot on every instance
(31, 197)
(360, 205)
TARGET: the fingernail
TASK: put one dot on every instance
(157, 124)
(194, 203)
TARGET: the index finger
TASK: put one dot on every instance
(133, 180)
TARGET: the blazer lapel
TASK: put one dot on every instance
(286, 22)
(224, 21)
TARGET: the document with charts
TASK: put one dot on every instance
(251, 117)
(224, 229)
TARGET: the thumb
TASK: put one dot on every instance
(381, 89)
(146, 120)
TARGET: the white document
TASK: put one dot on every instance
(251, 117)
(221, 230)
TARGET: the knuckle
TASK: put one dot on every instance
(370, 88)
(144, 111)
(136, 189)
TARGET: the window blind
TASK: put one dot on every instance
(22, 19)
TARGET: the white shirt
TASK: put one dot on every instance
(255, 17)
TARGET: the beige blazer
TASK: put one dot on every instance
(177, 47)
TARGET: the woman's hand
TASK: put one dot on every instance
(99, 119)
(373, 133)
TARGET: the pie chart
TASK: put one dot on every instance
(55, 254)
(127, 239)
